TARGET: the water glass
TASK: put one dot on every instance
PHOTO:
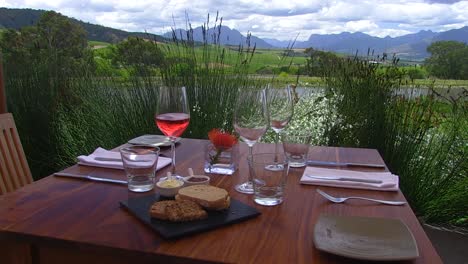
(296, 147)
(269, 177)
(140, 167)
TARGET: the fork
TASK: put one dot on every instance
(342, 199)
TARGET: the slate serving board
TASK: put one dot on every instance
(139, 207)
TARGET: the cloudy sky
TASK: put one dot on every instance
(280, 19)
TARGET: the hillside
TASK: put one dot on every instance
(18, 18)
(227, 36)
(411, 46)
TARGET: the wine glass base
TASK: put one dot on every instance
(274, 167)
(246, 187)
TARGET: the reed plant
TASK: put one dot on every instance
(212, 84)
(421, 138)
(61, 116)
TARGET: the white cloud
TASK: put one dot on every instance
(361, 26)
(281, 19)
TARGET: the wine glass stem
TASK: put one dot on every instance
(276, 146)
(250, 167)
(173, 156)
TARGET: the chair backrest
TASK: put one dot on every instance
(14, 169)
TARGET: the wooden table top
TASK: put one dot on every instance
(80, 214)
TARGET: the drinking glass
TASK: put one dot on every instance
(268, 184)
(296, 147)
(250, 122)
(172, 115)
(140, 166)
(281, 109)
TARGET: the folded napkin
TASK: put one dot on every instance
(389, 180)
(102, 153)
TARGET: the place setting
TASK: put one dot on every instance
(364, 238)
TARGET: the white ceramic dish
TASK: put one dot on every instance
(169, 191)
(153, 140)
(365, 238)
(196, 180)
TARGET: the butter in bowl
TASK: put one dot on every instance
(169, 186)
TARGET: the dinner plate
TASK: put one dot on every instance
(153, 140)
(365, 238)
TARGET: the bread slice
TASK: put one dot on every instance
(177, 211)
(158, 209)
(185, 211)
(210, 197)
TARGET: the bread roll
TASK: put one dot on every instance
(210, 197)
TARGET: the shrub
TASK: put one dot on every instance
(416, 72)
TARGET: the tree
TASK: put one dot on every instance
(55, 45)
(317, 60)
(449, 60)
(140, 54)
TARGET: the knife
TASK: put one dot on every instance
(344, 164)
(334, 178)
(88, 177)
(118, 160)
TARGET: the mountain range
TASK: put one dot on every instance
(412, 46)
(224, 36)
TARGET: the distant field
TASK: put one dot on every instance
(273, 59)
(98, 44)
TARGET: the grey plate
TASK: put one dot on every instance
(153, 140)
(365, 238)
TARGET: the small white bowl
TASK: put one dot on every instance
(196, 180)
(169, 190)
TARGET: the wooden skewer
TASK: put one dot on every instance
(190, 172)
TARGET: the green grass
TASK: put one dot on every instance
(270, 61)
(98, 44)
(263, 58)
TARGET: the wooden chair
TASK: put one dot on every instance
(14, 169)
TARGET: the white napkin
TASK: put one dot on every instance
(102, 153)
(389, 180)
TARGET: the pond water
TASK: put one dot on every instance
(406, 92)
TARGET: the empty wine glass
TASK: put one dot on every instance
(250, 122)
(172, 115)
(281, 109)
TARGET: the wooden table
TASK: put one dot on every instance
(61, 220)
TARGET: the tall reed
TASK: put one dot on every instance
(212, 85)
(421, 138)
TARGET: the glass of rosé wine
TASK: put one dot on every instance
(172, 115)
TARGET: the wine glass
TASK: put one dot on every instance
(172, 115)
(281, 110)
(250, 122)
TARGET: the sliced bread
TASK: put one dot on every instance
(177, 211)
(185, 211)
(158, 209)
(210, 197)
